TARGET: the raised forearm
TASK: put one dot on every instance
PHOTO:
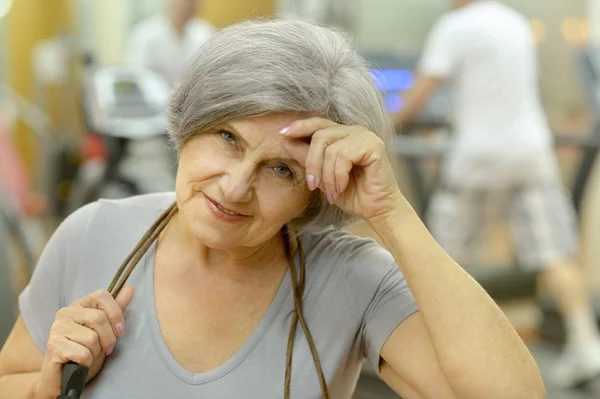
(415, 100)
(408, 113)
(477, 348)
(20, 386)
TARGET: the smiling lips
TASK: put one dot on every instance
(222, 213)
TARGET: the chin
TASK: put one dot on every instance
(219, 234)
(216, 234)
(215, 238)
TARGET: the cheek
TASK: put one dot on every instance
(283, 204)
(198, 162)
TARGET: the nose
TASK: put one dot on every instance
(237, 184)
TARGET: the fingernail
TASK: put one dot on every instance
(311, 181)
(286, 129)
(120, 329)
(108, 352)
(338, 188)
(330, 198)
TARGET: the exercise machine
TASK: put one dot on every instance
(507, 282)
(588, 66)
(124, 109)
(502, 283)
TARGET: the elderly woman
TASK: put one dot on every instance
(245, 286)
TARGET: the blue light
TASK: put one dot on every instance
(393, 102)
(393, 79)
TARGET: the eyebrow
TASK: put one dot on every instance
(228, 128)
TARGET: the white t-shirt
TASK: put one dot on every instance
(487, 52)
(155, 44)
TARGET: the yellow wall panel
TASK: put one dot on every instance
(27, 22)
(222, 13)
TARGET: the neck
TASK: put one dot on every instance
(239, 263)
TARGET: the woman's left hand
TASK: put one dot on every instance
(348, 163)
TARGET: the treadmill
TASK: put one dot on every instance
(394, 75)
(588, 66)
(501, 283)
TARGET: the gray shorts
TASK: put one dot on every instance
(542, 221)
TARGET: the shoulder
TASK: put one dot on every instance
(333, 247)
(148, 28)
(137, 210)
(142, 202)
(329, 240)
(199, 26)
(101, 235)
(451, 20)
(450, 26)
(461, 25)
(363, 273)
(485, 15)
(120, 217)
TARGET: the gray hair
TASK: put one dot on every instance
(261, 67)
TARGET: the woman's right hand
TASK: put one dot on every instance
(84, 333)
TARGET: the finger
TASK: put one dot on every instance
(314, 163)
(337, 167)
(310, 155)
(96, 320)
(78, 353)
(87, 337)
(331, 153)
(340, 160)
(124, 298)
(104, 301)
(342, 169)
(59, 351)
(306, 127)
(64, 351)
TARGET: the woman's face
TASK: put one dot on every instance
(237, 186)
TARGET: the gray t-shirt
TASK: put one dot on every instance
(355, 296)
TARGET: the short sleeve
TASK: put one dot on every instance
(378, 294)
(55, 270)
(440, 57)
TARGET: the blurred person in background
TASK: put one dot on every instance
(165, 43)
(502, 157)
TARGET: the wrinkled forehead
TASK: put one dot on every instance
(261, 133)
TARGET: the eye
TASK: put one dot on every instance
(228, 136)
(283, 171)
